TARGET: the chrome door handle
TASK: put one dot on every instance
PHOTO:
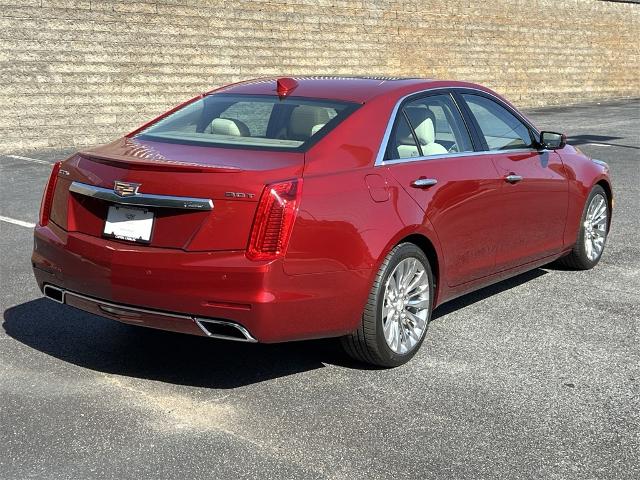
(513, 178)
(424, 182)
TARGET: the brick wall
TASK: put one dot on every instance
(79, 72)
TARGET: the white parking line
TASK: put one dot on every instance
(28, 159)
(17, 222)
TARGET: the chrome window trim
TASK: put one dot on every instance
(142, 199)
(459, 154)
(380, 161)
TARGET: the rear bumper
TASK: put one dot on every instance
(169, 289)
(150, 318)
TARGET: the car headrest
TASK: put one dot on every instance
(423, 121)
(304, 118)
(228, 126)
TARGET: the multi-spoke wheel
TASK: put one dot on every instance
(405, 307)
(593, 232)
(595, 226)
(397, 314)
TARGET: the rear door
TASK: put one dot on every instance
(430, 154)
(534, 200)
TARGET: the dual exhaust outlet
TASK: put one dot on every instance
(212, 328)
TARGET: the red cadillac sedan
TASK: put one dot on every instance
(297, 208)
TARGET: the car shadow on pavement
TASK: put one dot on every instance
(577, 140)
(107, 346)
(478, 295)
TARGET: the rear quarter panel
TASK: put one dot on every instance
(338, 226)
(352, 213)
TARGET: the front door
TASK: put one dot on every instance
(534, 185)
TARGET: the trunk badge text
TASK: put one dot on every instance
(239, 195)
(125, 189)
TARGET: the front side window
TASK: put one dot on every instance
(250, 121)
(429, 126)
(500, 128)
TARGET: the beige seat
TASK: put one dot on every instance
(423, 121)
(316, 128)
(408, 151)
(305, 121)
(228, 126)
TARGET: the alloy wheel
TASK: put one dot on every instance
(405, 310)
(595, 227)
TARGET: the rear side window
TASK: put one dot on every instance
(403, 143)
(429, 126)
(501, 129)
(262, 122)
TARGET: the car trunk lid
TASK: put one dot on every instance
(232, 179)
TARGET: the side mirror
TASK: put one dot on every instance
(552, 140)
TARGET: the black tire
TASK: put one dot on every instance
(367, 344)
(578, 259)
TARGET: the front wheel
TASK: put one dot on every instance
(398, 310)
(592, 237)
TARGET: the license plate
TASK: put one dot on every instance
(132, 224)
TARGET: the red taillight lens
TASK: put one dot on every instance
(274, 220)
(47, 196)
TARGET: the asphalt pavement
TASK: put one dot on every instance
(534, 377)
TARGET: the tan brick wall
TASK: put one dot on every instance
(78, 72)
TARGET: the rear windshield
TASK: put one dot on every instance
(250, 121)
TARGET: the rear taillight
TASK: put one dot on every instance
(47, 196)
(274, 220)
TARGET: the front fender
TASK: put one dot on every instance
(583, 173)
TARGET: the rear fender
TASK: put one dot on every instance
(425, 237)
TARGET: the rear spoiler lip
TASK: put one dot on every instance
(160, 164)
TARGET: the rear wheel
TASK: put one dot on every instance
(592, 237)
(398, 310)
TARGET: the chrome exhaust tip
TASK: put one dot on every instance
(54, 293)
(224, 330)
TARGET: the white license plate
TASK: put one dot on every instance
(132, 224)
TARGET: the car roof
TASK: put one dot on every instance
(352, 89)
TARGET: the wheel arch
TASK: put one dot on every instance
(430, 249)
(606, 186)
